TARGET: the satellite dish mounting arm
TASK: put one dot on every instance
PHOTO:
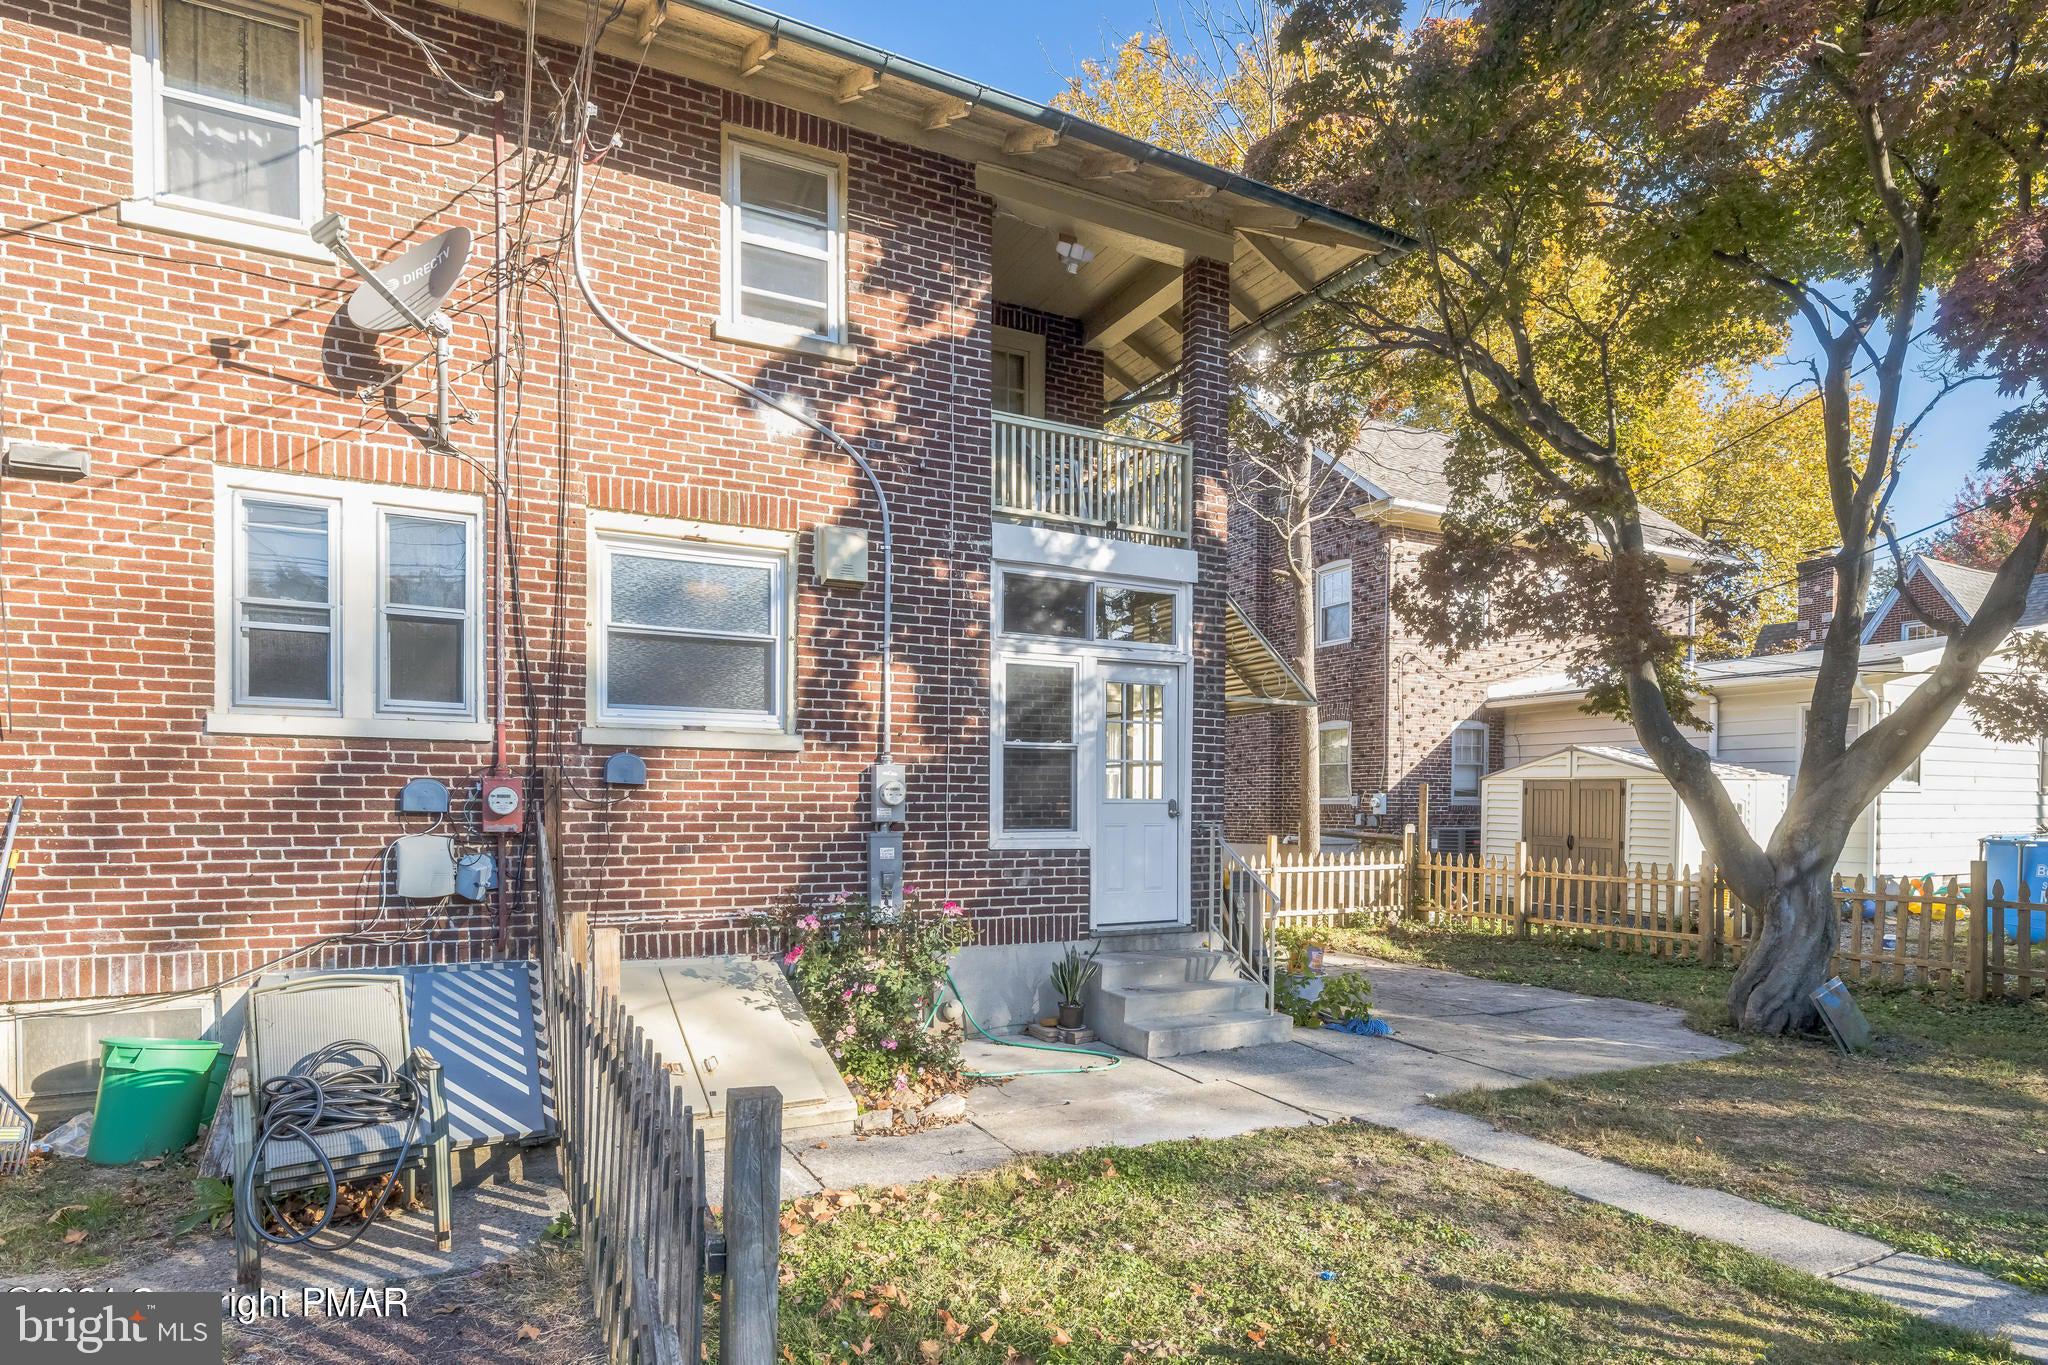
(332, 233)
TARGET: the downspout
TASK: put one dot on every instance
(766, 400)
(501, 530)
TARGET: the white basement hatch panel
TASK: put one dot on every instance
(725, 1022)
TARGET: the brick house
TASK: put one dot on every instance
(252, 591)
(1392, 714)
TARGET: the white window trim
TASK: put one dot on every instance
(153, 209)
(1917, 630)
(679, 730)
(1322, 571)
(830, 344)
(1350, 796)
(356, 519)
(1030, 345)
(1485, 732)
(1080, 676)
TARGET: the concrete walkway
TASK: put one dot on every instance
(1452, 1033)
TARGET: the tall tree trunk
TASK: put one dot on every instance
(1308, 826)
(1773, 992)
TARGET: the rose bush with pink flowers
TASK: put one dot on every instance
(868, 978)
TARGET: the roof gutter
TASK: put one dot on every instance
(1066, 125)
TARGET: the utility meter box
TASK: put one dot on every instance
(885, 868)
(424, 866)
(839, 556)
(889, 794)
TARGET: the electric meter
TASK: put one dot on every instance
(504, 805)
(890, 791)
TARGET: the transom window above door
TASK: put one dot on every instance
(1084, 610)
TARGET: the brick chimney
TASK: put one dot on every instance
(1816, 596)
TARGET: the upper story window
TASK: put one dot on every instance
(1333, 761)
(785, 245)
(227, 115)
(1918, 630)
(690, 634)
(1468, 761)
(1017, 373)
(346, 609)
(1333, 603)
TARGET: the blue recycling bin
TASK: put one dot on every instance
(2019, 865)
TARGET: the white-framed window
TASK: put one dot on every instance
(1037, 751)
(345, 608)
(1084, 609)
(227, 119)
(1333, 760)
(1017, 373)
(1333, 603)
(1468, 761)
(785, 244)
(1918, 630)
(690, 633)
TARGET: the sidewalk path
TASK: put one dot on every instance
(1451, 1033)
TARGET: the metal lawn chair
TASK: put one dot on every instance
(291, 1020)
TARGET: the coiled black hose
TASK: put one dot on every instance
(344, 1085)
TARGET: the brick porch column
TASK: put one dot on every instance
(1204, 410)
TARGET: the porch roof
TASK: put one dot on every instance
(1254, 674)
(1142, 210)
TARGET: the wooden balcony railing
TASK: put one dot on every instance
(1047, 471)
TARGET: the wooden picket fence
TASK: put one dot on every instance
(633, 1168)
(1924, 931)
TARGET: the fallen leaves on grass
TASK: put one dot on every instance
(527, 1332)
(74, 1237)
(64, 1212)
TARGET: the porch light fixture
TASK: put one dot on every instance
(1072, 254)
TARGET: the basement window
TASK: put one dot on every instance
(227, 120)
(785, 247)
(346, 609)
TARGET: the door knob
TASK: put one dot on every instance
(1172, 808)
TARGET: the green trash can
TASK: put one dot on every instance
(149, 1098)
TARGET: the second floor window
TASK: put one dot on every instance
(785, 248)
(1917, 630)
(227, 108)
(1333, 603)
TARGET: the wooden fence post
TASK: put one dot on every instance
(576, 936)
(1980, 928)
(1520, 889)
(1710, 915)
(753, 1227)
(1422, 821)
(607, 947)
(1409, 870)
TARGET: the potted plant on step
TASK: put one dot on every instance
(1070, 976)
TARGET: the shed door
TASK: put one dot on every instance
(1579, 821)
(1547, 820)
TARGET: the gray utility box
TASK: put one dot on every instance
(839, 556)
(885, 868)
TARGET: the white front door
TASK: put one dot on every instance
(1140, 855)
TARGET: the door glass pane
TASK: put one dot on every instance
(1134, 747)
(1038, 788)
(289, 665)
(429, 562)
(286, 551)
(690, 594)
(675, 674)
(1045, 606)
(1039, 705)
(425, 660)
(1132, 614)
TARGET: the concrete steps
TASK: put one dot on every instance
(1169, 1002)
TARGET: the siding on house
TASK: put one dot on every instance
(1970, 786)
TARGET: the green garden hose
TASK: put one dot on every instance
(1110, 1057)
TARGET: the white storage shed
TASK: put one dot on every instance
(1595, 803)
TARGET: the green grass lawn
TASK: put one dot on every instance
(1935, 1141)
(1218, 1251)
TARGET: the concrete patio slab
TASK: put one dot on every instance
(843, 1163)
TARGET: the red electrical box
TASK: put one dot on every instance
(502, 803)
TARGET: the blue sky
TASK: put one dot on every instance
(1029, 47)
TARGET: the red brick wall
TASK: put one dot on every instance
(1918, 600)
(159, 855)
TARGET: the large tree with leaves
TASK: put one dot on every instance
(1611, 195)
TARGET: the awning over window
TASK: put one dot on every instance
(1254, 674)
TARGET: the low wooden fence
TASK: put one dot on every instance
(633, 1166)
(1927, 931)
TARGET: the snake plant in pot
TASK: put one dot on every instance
(1070, 976)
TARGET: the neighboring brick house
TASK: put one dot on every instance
(1392, 714)
(1932, 598)
(269, 602)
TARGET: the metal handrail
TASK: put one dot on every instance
(1242, 912)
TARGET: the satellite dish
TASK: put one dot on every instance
(423, 276)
